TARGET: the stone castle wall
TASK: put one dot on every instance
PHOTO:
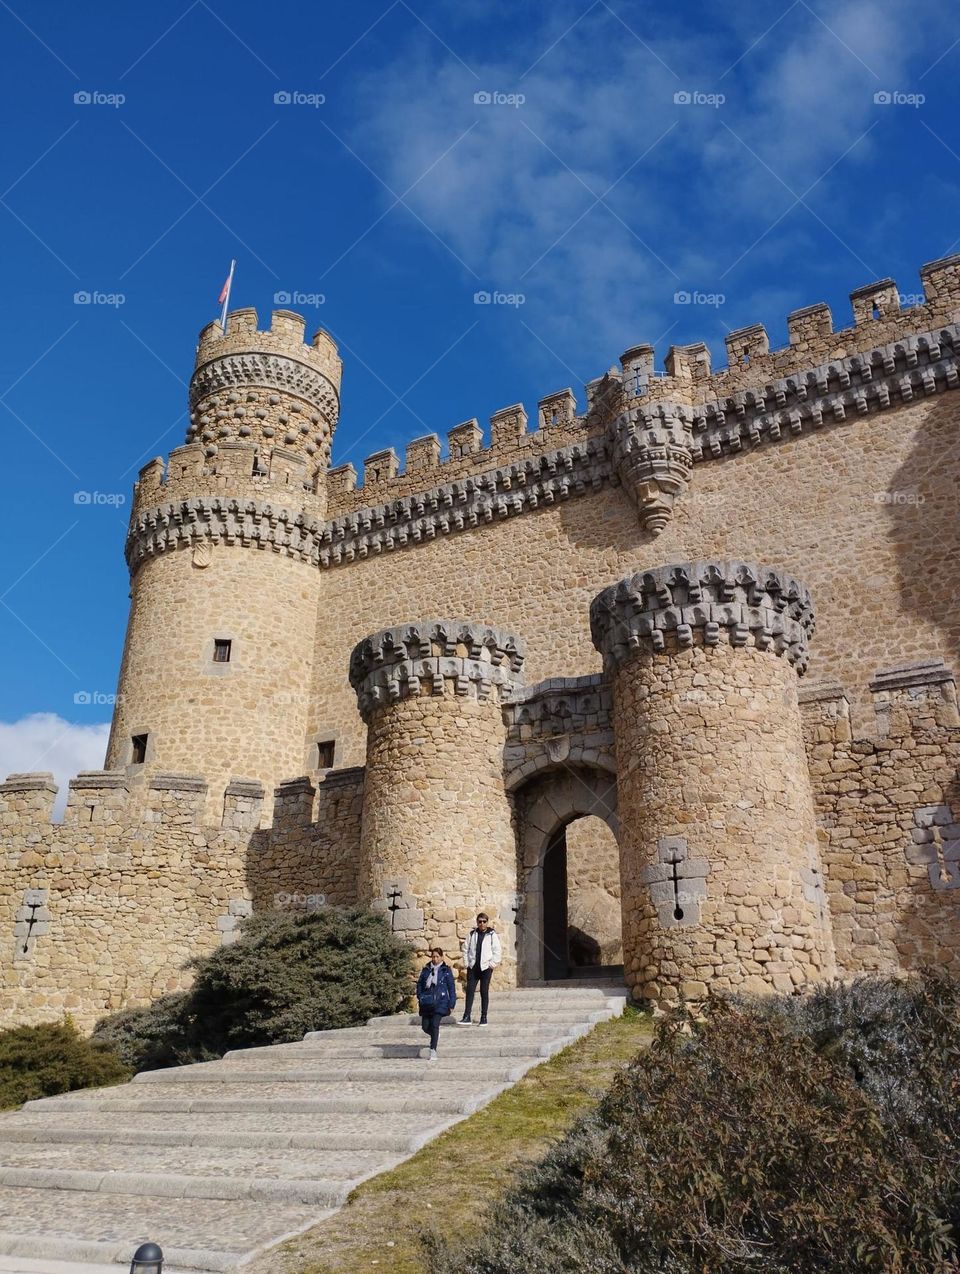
(107, 908)
(841, 507)
(835, 458)
(888, 806)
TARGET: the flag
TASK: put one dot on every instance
(224, 297)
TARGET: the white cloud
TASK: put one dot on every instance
(44, 741)
(510, 197)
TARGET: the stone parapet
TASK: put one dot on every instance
(215, 520)
(434, 657)
(484, 498)
(703, 603)
(651, 445)
(912, 696)
(914, 366)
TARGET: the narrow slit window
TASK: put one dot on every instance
(221, 650)
(325, 753)
(139, 748)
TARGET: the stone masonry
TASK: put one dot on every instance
(273, 594)
(718, 828)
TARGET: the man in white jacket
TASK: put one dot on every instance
(482, 953)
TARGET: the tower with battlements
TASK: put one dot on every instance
(217, 664)
(662, 676)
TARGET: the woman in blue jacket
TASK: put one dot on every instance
(436, 997)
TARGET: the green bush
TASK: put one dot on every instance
(288, 973)
(41, 1061)
(786, 1136)
(151, 1037)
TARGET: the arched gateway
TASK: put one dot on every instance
(545, 806)
(471, 774)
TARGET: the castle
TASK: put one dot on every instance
(568, 674)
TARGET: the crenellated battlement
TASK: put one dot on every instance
(891, 353)
(641, 428)
(122, 802)
(908, 700)
(285, 336)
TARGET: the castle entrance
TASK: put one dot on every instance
(569, 922)
(582, 928)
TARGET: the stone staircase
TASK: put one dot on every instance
(218, 1161)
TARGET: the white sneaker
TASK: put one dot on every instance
(432, 1055)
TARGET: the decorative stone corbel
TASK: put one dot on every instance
(651, 454)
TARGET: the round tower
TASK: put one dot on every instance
(722, 880)
(437, 841)
(223, 549)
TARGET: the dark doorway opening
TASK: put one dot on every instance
(556, 960)
(581, 909)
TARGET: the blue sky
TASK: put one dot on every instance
(618, 154)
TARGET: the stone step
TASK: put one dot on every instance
(489, 1047)
(193, 1098)
(141, 1160)
(179, 1185)
(572, 996)
(386, 1071)
(209, 1235)
(403, 1132)
(502, 1016)
(403, 1029)
(215, 1171)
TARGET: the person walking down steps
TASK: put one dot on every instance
(436, 997)
(482, 953)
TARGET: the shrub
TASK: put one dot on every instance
(41, 1061)
(783, 1136)
(151, 1037)
(288, 973)
(291, 973)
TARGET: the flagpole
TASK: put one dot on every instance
(226, 299)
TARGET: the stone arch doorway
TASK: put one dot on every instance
(559, 813)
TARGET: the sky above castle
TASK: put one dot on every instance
(482, 202)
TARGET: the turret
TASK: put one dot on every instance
(223, 547)
(267, 392)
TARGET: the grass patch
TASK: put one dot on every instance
(466, 1167)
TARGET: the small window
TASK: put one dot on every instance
(139, 749)
(325, 754)
(221, 650)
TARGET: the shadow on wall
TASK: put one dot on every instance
(923, 505)
(929, 909)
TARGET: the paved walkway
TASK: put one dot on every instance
(220, 1160)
